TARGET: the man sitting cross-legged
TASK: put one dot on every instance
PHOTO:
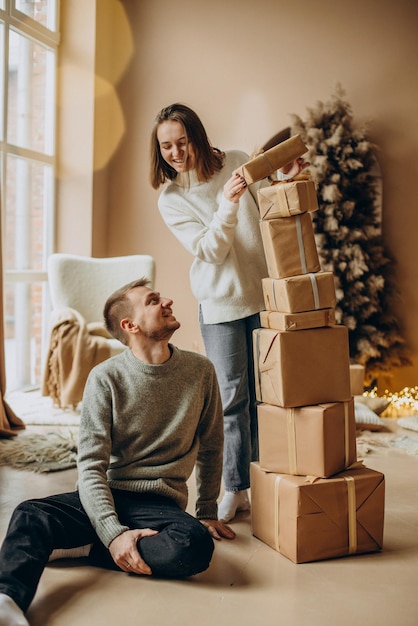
(149, 417)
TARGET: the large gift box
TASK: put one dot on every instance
(318, 440)
(284, 199)
(271, 160)
(289, 246)
(309, 520)
(300, 368)
(297, 321)
(295, 294)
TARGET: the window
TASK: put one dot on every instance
(28, 41)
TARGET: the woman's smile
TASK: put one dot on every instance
(175, 147)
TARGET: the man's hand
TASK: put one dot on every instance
(218, 529)
(295, 167)
(124, 551)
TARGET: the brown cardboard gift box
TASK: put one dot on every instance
(268, 162)
(300, 368)
(318, 440)
(289, 246)
(297, 321)
(357, 374)
(284, 199)
(311, 521)
(295, 294)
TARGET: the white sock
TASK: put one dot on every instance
(10, 614)
(232, 502)
(70, 553)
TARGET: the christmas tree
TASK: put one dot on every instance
(348, 233)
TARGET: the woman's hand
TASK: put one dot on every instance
(234, 188)
(294, 167)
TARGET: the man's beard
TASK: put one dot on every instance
(161, 334)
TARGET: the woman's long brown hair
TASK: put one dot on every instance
(208, 159)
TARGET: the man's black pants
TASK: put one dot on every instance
(182, 547)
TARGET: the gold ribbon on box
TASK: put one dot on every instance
(300, 176)
(291, 440)
(351, 514)
(346, 433)
(351, 505)
(276, 513)
(303, 176)
(351, 509)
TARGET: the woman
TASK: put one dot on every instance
(215, 217)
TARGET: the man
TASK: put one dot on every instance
(149, 416)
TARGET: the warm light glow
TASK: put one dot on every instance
(402, 403)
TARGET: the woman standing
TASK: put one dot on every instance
(215, 217)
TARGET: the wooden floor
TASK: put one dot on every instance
(248, 583)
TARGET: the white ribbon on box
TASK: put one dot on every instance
(301, 246)
(315, 291)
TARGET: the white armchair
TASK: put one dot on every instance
(79, 287)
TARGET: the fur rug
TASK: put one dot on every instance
(35, 409)
(50, 452)
(368, 441)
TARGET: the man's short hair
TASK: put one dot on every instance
(118, 306)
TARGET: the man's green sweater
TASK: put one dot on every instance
(144, 428)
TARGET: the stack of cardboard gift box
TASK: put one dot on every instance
(311, 499)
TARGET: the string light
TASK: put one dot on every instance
(402, 403)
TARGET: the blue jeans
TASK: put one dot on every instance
(183, 546)
(229, 346)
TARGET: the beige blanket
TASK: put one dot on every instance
(10, 424)
(75, 347)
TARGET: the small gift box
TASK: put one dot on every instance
(289, 246)
(317, 440)
(268, 162)
(295, 294)
(297, 321)
(284, 199)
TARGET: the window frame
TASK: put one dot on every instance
(13, 19)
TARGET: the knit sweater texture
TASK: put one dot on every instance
(224, 238)
(143, 429)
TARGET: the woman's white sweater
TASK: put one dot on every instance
(225, 239)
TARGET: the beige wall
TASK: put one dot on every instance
(245, 68)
